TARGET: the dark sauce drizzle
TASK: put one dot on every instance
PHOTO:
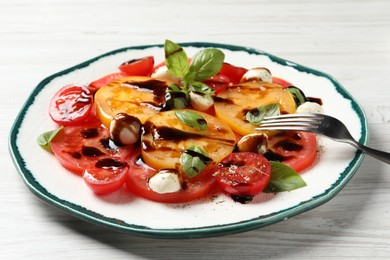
(89, 133)
(90, 151)
(157, 87)
(109, 164)
(243, 199)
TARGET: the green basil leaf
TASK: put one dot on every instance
(192, 119)
(45, 139)
(176, 97)
(200, 87)
(176, 59)
(256, 115)
(205, 64)
(283, 178)
(179, 103)
(174, 88)
(298, 95)
(193, 160)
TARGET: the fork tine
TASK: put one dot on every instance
(295, 122)
(300, 116)
(286, 128)
(288, 121)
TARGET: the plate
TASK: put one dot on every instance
(212, 216)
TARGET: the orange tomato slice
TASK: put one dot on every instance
(141, 97)
(165, 137)
(232, 104)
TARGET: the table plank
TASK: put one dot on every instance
(348, 39)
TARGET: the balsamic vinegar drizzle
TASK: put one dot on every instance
(157, 87)
(109, 164)
(89, 133)
(173, 135)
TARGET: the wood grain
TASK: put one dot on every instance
(348, 39)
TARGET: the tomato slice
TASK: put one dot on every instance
(159, 65)
(243, 173)
(76, 147)
(106, 175)
(163, 64)
(295, 149)
(233, 73)
(71, 105)
(138, 67)
(97, 84)
(281, 82)
(139, 174)
(219, 83)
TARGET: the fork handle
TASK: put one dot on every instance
(380, 155)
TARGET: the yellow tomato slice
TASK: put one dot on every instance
(165, 137)
(141, 97)
(232, 104)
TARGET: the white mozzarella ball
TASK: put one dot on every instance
(310, 107)
(257, 74)
(165, 181)
(163, 73)
(201, 102)
(125, 129)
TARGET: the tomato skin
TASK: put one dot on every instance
(138, 67)
(243, 173)
(97, 84)
(76, 147)
(71, 105)
(219, 83)
(233, 73)
(281, 82)
(159, 65)
(106, 175)
(295, 149)
(164, 64)
(139, 174)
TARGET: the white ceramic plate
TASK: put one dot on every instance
(212, 216)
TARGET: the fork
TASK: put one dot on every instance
(320, 124)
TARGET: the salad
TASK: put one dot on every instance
(182, 129)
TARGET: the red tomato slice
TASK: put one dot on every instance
(106, 175)
(295, 149)
(281, 82)
(163, 64)
(76, 147)
(71, 105)
(139, 174)
(219, 83)
(138, 67)
(95, 85)
(233, 73)
(243, 173)
(159, 65)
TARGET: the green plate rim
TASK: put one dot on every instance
(207, 231)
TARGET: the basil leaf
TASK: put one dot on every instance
(45, 139)
(298, 95)
(200, 87)
(176, 59)
(193, 160)
(192, 119)
(283, 178)
(176, 97)
(205, 64)
(179, 103)
(256, 115)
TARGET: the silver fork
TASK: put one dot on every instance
(320, 124)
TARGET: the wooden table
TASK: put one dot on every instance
(350, 40)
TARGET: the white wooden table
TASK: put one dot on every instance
(348, 39)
